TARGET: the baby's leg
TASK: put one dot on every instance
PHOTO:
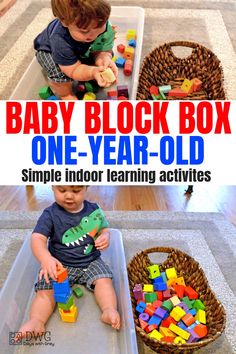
(62, 90)
(106, 298)
(41, 309)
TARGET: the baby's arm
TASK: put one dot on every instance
(103, 240)
(82, 72)
(49, 264)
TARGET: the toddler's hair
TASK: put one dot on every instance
(81, 12)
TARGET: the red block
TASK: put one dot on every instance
(159, 295)
(121, 48)
(157, 303)
(190, 292)
(177, 92)
(167, 322)
(143, 324)
(154, 90)
(150, 310)
(168, 339)
(128, 67)
(179, 289)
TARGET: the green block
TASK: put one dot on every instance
(68, 305)
(162, 95)
(167, 305)
(45, 92)
(187, 302)
(198, 305)
(150, 297)
(78, 292)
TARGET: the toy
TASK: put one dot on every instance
(78, 292)
(108, 75)
(128, 67)
(130, 34)
(121, 48)
(45, 92)
(128, 53)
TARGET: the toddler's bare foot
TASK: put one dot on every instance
(34, 326)
(111, 316)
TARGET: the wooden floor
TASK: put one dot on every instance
(165, 198)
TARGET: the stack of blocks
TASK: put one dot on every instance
(187, 87)
(63, 296)
(169, 310)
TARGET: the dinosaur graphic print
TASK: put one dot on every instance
(81, 234)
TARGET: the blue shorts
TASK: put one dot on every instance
(84, 276)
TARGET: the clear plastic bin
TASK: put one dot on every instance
(124, 17)
(88, 335)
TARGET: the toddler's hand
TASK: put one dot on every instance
(49, 268)
(103, 241)
(107, 62)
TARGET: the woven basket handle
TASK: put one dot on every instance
(159, 250)
(192, 45)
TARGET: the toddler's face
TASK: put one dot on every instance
(88, 34)
(70, 198)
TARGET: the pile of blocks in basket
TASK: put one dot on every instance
(169, 310)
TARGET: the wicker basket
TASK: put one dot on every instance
(194, 276)
(162, 67)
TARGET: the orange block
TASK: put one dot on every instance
(61, 274)
(197, 84)
(168, 339)
(188, 319)
(201, 330)
(177, 92)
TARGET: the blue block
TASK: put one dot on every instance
(141, 307)
(120, 62)
(53, 98)
(193, 312)
(154, 320)
(160, 286)
(60, 288)
(164, 277)
(63, 297)
(158, 280)
(132, 43)
(180, 324)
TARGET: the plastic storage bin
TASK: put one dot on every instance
(88, 335)
(124, 17)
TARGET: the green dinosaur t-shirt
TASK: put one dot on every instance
(71, 235)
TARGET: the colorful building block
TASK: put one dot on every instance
(156, 335)
(89, 96)
(171, 273)
(150, 297)
(132, 43)
(68, 305)
(62, 274)
(177, 313)
(131, 34)
(201, 316)
(154, 271)
(69, 316)
(128, 67)
(120, 62)
(78, 292)
(128, 53)
(108, 75)
(197, 84)
(45, 92)
(177, 92)
(121, 48)
(190, 292)
(180, 332)
(187, 86)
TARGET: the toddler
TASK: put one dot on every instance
(77, 45)
(71, 233)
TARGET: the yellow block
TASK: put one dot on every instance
(171, 273)
(130, 34)
(108, 75)
(155, 334)
(186, 85)
(69, 316)
(177, 313)
(128, 53)
(201, 316)
(178, 340)
(166, 332)
(89, 96)
(182, 333)
(148, 288)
